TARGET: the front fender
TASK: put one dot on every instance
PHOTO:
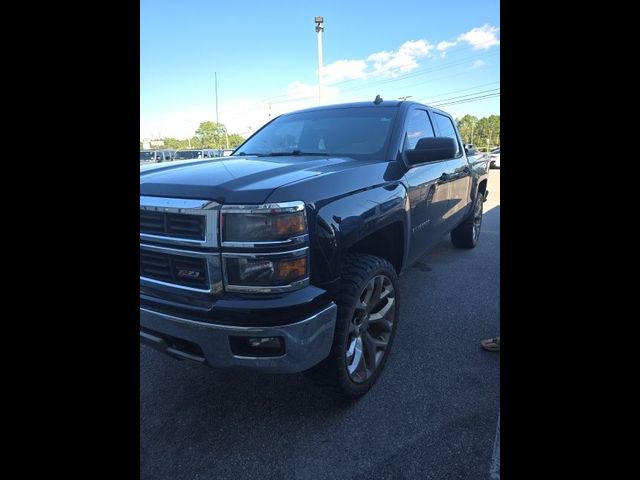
(343, 222)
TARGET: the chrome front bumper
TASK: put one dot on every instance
(306, 342)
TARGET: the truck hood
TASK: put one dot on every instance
(226, 180)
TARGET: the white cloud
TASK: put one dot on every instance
(403, 60)
(240, 115)
(343, 70)
(178, 124)
(481, 37)
(444, 46)
(477, 64)
(306, 91)
(237, 115)
(383, 63)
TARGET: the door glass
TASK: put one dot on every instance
(447, 130)
(418, 126)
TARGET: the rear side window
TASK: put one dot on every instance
(418, 126)
(447, 129)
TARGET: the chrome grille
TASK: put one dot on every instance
(174, 225)
(176, 269)
(174, 236)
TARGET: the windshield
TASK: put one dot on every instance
(189, 154)
(360, 132)
(146, 155)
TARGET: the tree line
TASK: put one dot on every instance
(208, 135)
(482, 133)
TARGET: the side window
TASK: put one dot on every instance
(447, 130)
(418, 126)
(206, 154)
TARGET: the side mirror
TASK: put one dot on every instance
(431, 149)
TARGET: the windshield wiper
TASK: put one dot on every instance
(295, 153)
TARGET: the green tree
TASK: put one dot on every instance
(235, 140)
(210, 135)
(494, 129)
(488, 131)
(175, 144)
(467, 128)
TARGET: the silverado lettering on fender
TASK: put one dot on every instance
(285, 256)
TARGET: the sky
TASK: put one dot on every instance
(442, 53)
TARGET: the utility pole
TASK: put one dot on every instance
(217, 122)
(319, 29)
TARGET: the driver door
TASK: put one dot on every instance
(428, 188)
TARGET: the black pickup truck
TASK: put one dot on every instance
(285, 256)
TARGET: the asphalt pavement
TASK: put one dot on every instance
(432, 414)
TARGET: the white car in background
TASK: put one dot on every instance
(494, 158)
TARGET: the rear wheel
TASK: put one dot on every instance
(467, 233)
(368, 308)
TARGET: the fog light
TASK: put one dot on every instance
(257, 346)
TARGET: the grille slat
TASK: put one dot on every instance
(172, 224)
(186, 271)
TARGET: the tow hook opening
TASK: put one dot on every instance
(242, 346)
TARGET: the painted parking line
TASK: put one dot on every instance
(495, 457)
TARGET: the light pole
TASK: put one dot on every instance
(472, 125)
(319, 29)
(217, 121)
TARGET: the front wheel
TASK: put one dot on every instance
(467, 233)
(368, 310)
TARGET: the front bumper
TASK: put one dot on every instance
(306, 342)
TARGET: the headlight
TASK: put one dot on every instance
(266, 273)
(259, 226)
(245, 225)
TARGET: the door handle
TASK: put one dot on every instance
(444, 177)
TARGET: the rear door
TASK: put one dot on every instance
(458, 174)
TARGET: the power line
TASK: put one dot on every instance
(400, 78)
(459, 97)
(461, 49)
(474, 99)
(458, 91)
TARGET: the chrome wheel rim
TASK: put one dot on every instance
(370, 328)
(477, 221)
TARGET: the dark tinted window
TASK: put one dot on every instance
(189, 154)
(418, 126)
(361, 132)
(146, 155)
(445, 125)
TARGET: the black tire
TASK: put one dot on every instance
(334, 372)
(466, 234)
